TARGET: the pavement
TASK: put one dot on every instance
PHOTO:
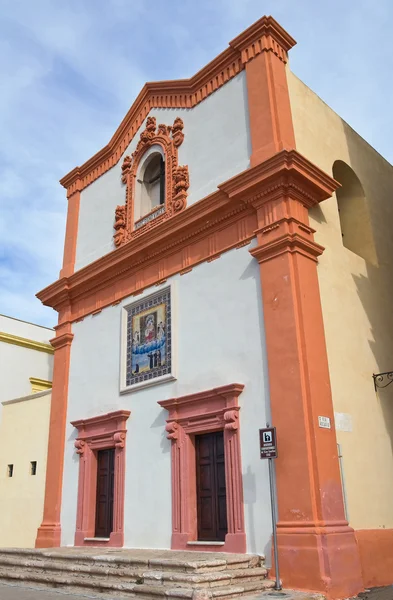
(16, 592)
(385, 593)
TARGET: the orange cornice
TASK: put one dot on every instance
(232, 390)
(139, 251)
(233, 207)
(266, 35)
(316, 185)
(118, 415)
(62, 340)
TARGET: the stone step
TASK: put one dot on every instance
(118, 588)
(189, 562)
(206, 580)
(149, 574)
(131, 575)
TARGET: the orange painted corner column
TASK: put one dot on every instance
(49, 533)
(71, 234)
(264, 51)
(317, 548)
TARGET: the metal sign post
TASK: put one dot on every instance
(268, 449)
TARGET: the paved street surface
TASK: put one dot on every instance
(15, 592)
(378, 594)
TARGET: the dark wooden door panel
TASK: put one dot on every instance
(105, 487)
(211, 488)
(207, 510)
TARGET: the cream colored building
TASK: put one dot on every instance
(26, 364)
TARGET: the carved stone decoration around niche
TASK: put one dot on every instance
(177, 181)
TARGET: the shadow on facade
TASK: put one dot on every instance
(375, 289)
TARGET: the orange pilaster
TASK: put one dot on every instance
(49, 533)
(264, 47)
(317, 548)
(73, 195)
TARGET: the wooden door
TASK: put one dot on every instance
(211, 488)
(105, 487)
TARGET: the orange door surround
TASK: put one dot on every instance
(104, 432)
(205, 412)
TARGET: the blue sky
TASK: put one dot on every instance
(69, 72)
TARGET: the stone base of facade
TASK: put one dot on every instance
(48, 536)
(323, 559)
(376, 556)
(161, 574)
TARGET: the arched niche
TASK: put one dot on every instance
(150, 182)
(156, 185)
(355, 222)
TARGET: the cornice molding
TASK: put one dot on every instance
(44, 383)
(65, 339)
(230, 391)
(288, 242)
(293, 169)
(266, 35)
(141, 250)
(145, 260)
(32, 396)
(8, 338)
(113, 419)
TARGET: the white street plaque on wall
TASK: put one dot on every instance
(324, 422)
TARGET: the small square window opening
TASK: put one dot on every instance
(33, 467)
(10, 470)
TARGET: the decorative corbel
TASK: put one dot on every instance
(231, 418)
(172, 430)
(80, 446)
(119, 438)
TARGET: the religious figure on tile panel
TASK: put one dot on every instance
(149, 351)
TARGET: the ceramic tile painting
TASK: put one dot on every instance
(149, 338)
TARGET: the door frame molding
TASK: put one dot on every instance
(211, 410)
(100, 433)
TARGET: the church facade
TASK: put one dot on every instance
(222, 270)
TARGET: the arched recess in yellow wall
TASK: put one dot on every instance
(355, 222)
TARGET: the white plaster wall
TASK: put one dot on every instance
(17, 363)
(24, 329)
(216, 147)
(220, 340)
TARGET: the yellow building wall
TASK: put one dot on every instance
(23, 438)
(357, 299)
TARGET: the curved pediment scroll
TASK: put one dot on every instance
(177, 182)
